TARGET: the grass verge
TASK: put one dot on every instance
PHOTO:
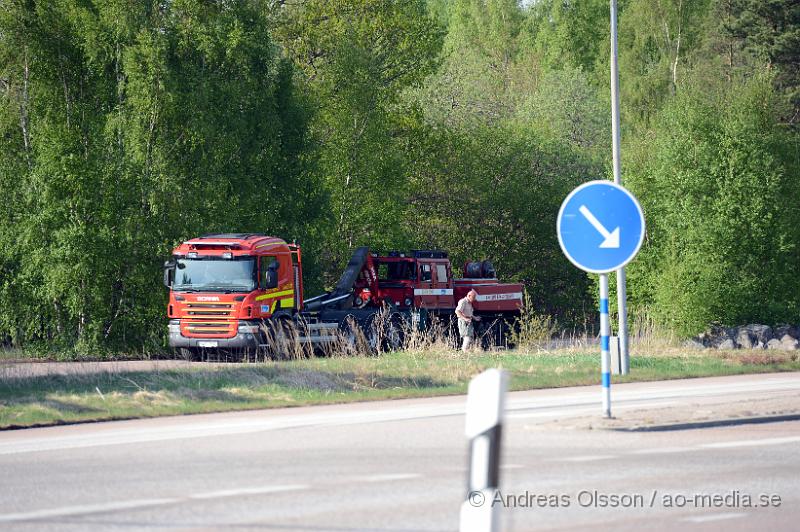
(36, 400)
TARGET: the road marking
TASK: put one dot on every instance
(750, 443)
(714, 517)
(587, 458)
(719, 445)
(87, 509)
(247, 491)
(664, 450)
(387, 477)
(552, 413)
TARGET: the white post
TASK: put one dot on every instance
(605, 355)
(485, 407)
(622, 302)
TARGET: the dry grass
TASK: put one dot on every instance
(31, 397)
(390, 359)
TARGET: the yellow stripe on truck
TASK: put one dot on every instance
(276, 242)
(276, 294)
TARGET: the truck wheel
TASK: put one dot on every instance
(384, 334)
(372, 336)
(394, 334)
(350, 336)
(281, 339)
(190, 354)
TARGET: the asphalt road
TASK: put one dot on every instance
(401, 465)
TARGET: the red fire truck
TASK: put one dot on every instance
(227, 291)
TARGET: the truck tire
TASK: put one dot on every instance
(351, 336)
(372, 336)
(282, 340)
(384, 334)
(394, 333)
(496, 332)
(189, 354)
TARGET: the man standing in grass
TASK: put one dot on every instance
(466, 315)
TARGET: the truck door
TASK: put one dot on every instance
(442, 286)
(423, 293)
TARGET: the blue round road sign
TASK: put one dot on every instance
(600, 227)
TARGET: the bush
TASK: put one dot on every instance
(719, 194)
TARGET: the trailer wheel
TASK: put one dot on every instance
(489, 333)
(496, 332)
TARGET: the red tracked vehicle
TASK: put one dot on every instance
(228, 290)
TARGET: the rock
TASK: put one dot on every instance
(727, 344)
(788, 343)
(751, 336)
(716, 336)
(782, 330)
(694, 343)
(758, 333)
(744, 339)
(774, 344)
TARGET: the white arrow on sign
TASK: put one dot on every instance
(611, 239)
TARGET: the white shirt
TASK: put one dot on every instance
(465, 307)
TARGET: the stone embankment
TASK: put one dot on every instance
(753, 336)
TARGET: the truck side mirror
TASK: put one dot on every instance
(271, 279)
(169, 272)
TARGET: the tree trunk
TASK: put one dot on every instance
(677, 48)
(23, 110)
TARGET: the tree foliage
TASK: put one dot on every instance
(127, 126)
(721, 231)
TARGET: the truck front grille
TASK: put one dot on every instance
(208, 310)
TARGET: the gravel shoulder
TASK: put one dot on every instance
(780, 406)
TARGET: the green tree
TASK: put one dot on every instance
(503, 150)
(572, 34)
(493, 192)
(721, 205)
(130, 126)
(657, 44)
(358, 58)
(769, 31)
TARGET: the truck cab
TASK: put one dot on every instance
(223, 285)
(424, 279)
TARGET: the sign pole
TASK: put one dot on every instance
(622, 301)
(600, 229)
(605, 355)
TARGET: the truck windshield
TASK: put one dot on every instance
(215, 275)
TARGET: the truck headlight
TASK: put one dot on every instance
(174, 326)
